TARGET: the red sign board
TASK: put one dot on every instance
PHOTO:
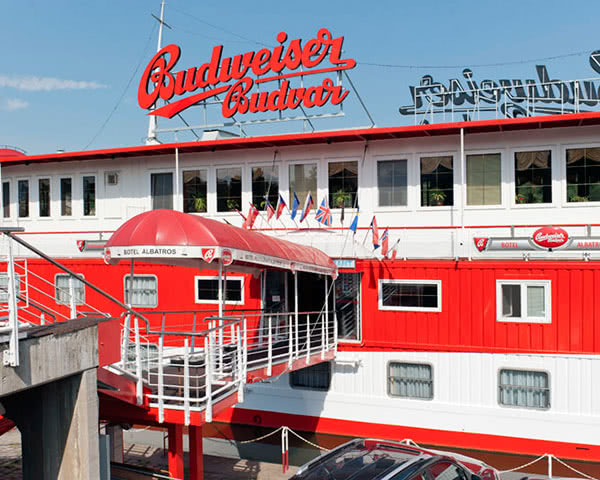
(480, 243)
(227, 257)
(208, 254)
(230, 76)
(550, 237)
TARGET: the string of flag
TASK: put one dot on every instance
(323, 216)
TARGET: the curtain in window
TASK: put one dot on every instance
(430, 164)
(410, 380)
(524, 389)
(144, 291)
(577, 154)
(162, 190)
(525, 160)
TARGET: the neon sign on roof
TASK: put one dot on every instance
(231, 77)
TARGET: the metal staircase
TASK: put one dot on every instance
(193, 372)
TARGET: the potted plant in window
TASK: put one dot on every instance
(233, 204)
(199, 203)
(341, 199)
(437, 198)
(520, 198)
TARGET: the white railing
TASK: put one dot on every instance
(191, 371)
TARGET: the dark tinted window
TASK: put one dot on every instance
(162, 190)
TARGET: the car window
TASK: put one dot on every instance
(446, 471)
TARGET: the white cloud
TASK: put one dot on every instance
(37, 84)
(12, 104)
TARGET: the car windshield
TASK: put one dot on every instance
(364, 460)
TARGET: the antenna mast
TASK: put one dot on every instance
(153, 119)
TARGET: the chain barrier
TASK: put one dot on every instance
(285, 454)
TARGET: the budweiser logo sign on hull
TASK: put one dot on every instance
(550, 237)
(230, 76)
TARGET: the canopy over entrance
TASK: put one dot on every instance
(175, 238)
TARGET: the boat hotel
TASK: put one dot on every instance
(446, 292)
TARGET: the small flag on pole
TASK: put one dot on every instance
(384, 243)
(245, 224)
(280, 206)
(375, 233)
(308, 203)
(324, 214)
(252, 214)
(295, 205)
(354, 224)
(394, 251)
(270, 211)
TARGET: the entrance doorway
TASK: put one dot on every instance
(347, 306)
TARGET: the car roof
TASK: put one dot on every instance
(364, 459)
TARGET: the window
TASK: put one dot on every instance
(229, 189)
(207, 290)
(523, 388)
(343, 184)
(523, 301)
(4, 286)
(392, 183)
(437, 181)
(65, 197)
(265, 186)
(62, 292)
(161, 190)
(410, 380)
(144, 291)
(23, 189)
(347, 305)
(44, 196)
(316, 377)
(410, 295)
(484, 179)
(89, 195)
(6, 199)
(583, 175)
(303, 179)
(533, 177)
(194, 191)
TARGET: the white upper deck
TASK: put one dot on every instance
(410, 178)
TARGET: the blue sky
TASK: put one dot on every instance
(66, 64)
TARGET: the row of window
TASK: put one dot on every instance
(44, 203)
(532, 171)
(144, 291)
(516, 388)
(516, 300)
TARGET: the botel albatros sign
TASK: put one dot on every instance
(231, 77)
(545, 238)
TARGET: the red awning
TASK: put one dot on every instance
(175, 238)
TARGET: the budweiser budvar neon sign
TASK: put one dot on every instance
(231, 76)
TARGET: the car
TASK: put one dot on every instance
(371, 459)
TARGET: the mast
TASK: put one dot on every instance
(153, 119)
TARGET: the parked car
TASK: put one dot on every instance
(370, 459)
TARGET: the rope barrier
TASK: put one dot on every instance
(407, 441)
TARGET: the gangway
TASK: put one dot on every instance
(184, 377)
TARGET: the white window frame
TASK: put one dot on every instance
(347, 159)
(455, 180)
(149, 174)
(59, 191)
(244, 196)
(216, 302)
(408, 158)
(18, 278)
(181, 195)
(526, 370)
(10, 192)
(564, 184)
(547, 284)
(96, 186)
(37, 189)
(504, 180)
(139, 275)
(56, 289)
(555, 160)
(288, 198)
(383, 281)
(29, 198)
(409, 362)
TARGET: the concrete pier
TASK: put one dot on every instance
(52, 398)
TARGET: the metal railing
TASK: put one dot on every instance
(191, 371)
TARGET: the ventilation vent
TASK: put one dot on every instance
(111, 178)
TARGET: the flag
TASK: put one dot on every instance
(384, 243)
(354, 224)
(308, 203)
(375, 233)
(280, 206)
(270, 211)
(324, 214)
(394, 252)
(295, 205)
(252, 214)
